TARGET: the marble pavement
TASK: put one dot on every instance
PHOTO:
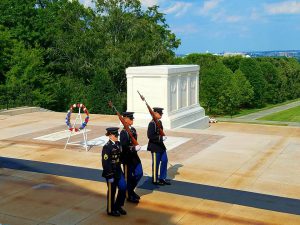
(229, 173)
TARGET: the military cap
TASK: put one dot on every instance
(128, 114)
(158, 110)
(112, 130)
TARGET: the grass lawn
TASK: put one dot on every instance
(289, 115)
(269, 106)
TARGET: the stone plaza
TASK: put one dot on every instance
(230, 173)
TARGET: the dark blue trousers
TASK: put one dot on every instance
(133, 174)
(113, 204)
(159, 160)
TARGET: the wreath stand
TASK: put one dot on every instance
(73, 130)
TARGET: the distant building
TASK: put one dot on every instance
(276, 53)
(249, 54)
(236, 54)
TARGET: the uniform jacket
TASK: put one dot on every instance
(155, 143)
(111, 162)
(129, 154)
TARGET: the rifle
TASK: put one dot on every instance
(133, 140)
(161, 132)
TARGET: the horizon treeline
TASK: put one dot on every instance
(231, 83)
(54, 53)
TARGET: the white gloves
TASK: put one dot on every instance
(138, 147)
(111, 180)
(164, 138)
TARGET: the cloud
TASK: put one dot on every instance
(211, 9)
(186, 29)
(258, 16)
(149, 3)
(232, 19)
(286, 7)
(179, 8)
(223, 17)
(255, 15)
(208, 6)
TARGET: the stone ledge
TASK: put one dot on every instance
(21, 110)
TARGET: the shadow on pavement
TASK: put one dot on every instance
(29, 194)
(146, 187)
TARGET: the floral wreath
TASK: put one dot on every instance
(86, 120)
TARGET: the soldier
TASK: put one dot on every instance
(132, 164)
(158, 150)
(113, 173)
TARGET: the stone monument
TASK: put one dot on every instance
(172, 87)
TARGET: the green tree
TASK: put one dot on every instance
(205, 61)
(133, 37)
(66, 91)
(101, 91)
(72, 52)
(289, 70)
(238, 92)
(212, 85)
(27, 80)
(19, 16)
(274, 82)
(6, 46)
(232, 62)
(250, 67)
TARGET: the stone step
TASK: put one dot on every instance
(22, 110)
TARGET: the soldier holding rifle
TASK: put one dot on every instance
(132, 164)
(156, 145)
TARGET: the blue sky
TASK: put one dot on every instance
(231, 25)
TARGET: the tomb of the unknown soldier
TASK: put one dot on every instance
(173, 87)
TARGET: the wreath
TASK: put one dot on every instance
(86, 120)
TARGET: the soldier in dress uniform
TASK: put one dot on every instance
(158, 150)
(132, 164)
(112, 171)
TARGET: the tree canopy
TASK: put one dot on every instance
(54, 53)
(52, 45)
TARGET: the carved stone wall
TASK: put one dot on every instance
(173, 87)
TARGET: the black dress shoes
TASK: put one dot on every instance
(165, 182)
(113, 213)
(135, 195)
(160, 182)
(132, 199)
(122, 211)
